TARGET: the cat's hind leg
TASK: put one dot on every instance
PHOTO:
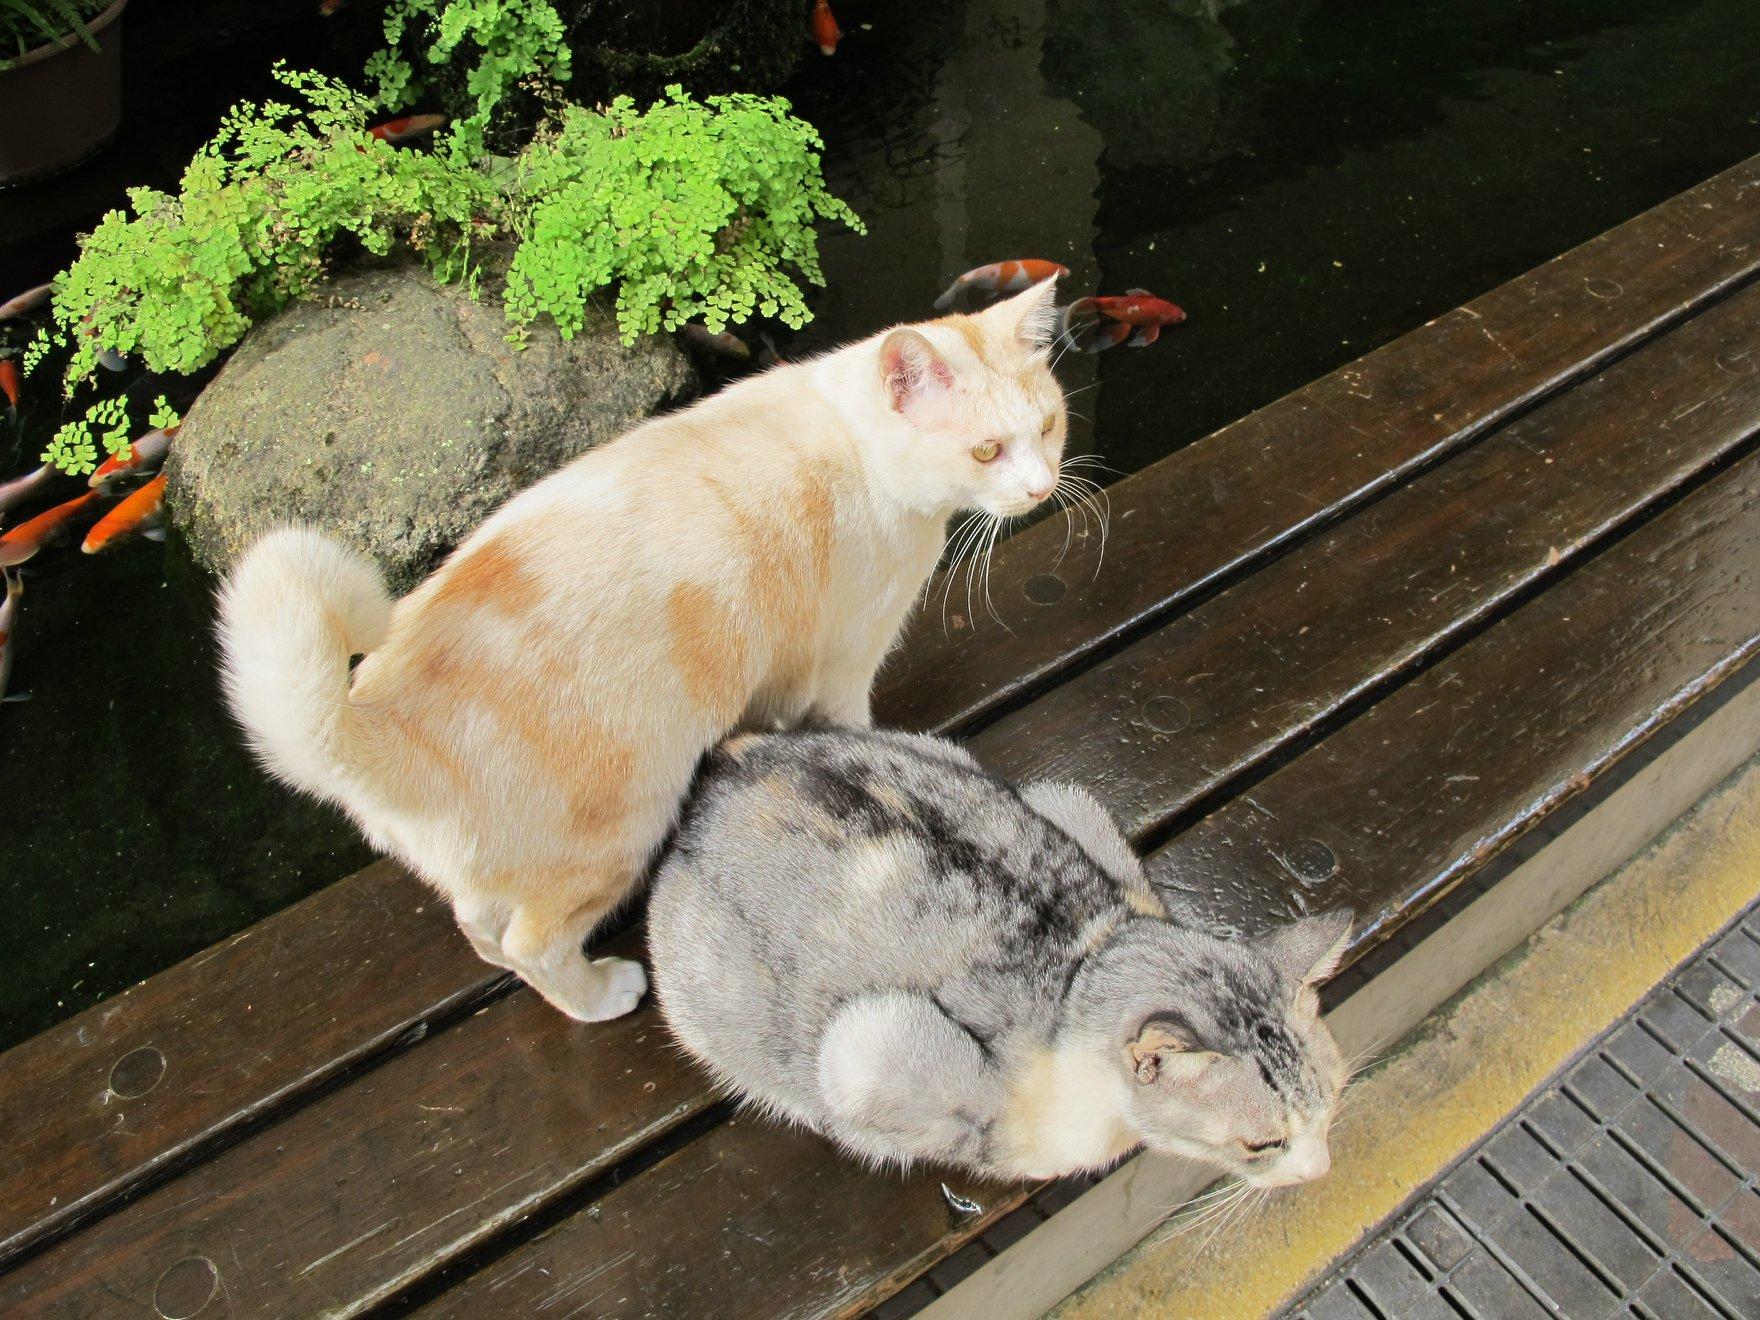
(904, 1082)
(483, 925)
(543, 943)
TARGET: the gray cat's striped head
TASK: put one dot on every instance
(1222, 1041)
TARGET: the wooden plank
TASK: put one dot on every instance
(1557, 692)
(1178, 528)
(276, 1223)
(1184, 524)
(1651, 421)
(129, 1087)
(1604, 659)
(1258, 666)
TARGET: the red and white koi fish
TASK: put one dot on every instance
(142, 456)
(45, 529)
(11, 385)
(28, 301)
(1135, 319)
(20, 489)
(822, 29)
(407, 128)
(726, 344)
(140, 514)
(9, 626)
(1001, 277)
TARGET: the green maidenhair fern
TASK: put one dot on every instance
(74, 448)
(253, 220)
(691, 209)
(495, 44)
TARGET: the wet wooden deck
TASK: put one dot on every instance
(1344, 651)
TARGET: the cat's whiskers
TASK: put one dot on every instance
(1240, 1211)
(988, 557)
(1219, 1219)
(1088, 494)
(1222, 1188)
(987, 525)
(1204, 1209)
(963, 540)
(1368, 1057)
(1066, 341)
(972, 568)
(1061, 500)
(1092, 461)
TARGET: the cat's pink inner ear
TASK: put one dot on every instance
(1156, 1045)
(912, 369)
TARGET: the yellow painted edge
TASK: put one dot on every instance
(1453, 1079)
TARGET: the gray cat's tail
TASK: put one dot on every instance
(293, 611)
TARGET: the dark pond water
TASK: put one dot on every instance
(1309, 178)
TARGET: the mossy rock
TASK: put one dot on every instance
(390, 411)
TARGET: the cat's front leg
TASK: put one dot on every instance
(904, 1082)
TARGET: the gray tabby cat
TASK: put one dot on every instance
(868, 934)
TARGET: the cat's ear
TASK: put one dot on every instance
(1308, 951)
(1163, 1049)
(913, 372)
(1031, 317)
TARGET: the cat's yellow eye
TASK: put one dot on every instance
(1050, 421)
(987, 451)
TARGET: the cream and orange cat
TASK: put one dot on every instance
(525, 722)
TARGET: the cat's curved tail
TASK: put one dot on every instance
(292, 612)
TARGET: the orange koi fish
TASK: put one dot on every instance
(114, 472)
(45, 529)
(822, 29)
(28, 301)
(1001, 277)
(8, 626)
(1135, 319)
(407, 129)
(141, 514)
(20, 489)
(12, 385)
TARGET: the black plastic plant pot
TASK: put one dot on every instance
(61, 103)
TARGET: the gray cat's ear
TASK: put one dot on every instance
(912, 370)
(1163, 1049)
(1030, 315)
(1308, 951)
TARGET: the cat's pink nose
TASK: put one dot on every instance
(1307, 1162)
(1037, 493)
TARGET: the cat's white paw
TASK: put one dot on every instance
(615, 987)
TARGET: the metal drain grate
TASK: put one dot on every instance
(1630, 1187)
